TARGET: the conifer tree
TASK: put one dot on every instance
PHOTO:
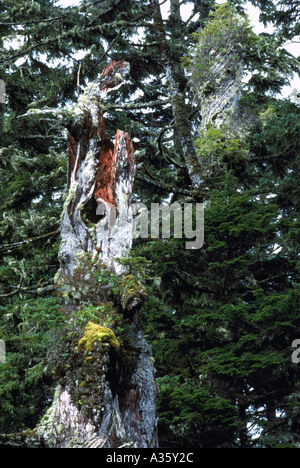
(220, 320)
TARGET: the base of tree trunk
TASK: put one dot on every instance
(123, 412)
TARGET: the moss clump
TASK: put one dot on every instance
(132, 292)
(97, 334)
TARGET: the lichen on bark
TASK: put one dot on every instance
(217, 68)
(106, 395)
(132, 293)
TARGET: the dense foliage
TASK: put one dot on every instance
(225, 318)
(221, 320)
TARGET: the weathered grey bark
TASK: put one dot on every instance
(129, 418)
(219, 86)
(119, 405)
(220, 107)
(219, 102)
(100, 173)
(218, 90)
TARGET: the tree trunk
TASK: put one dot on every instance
(220, 107)
(107, 399)
(176, 83)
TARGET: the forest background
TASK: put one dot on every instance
(221, 321)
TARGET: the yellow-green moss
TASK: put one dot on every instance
(132, 292)
(97, 334)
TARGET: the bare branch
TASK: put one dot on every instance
(162, 185)
(26, 23)
(143, 105)
(39, 289)
(32, 239)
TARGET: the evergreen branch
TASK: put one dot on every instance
(97, 28)
(37, 290)
(190, 18)
(26, 23)
(96, 2)
(106, 52)
(31, 239)
(142, 87)
(192, 285)
(14, 293)
(42, 137)
(162, 185)
(34, 46)
(123, 26)
(165, 129)
(25, 439)
(37, 112)
(29, 49)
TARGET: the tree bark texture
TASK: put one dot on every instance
(99, 173)
(220, 106)
(109, 399)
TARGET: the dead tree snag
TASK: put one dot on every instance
(116, 387)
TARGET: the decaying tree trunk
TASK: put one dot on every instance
(220, 107)
(219, 96)
(220, 54)
(106, 398)
(99, 173)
